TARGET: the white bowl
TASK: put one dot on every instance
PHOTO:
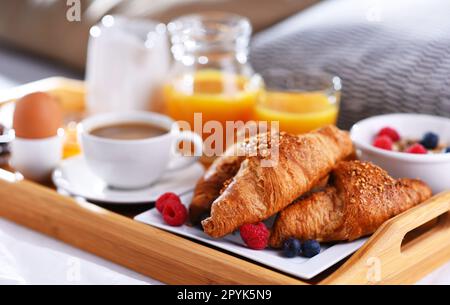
(434, 169)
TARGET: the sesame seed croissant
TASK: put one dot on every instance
(257, 191)
(361, 196)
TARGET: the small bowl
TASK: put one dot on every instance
(433, 169)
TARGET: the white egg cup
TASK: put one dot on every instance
(35, 159)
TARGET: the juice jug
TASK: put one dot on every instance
(211, 79)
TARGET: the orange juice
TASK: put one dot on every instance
(218, 96)
(71, 145)
(297, 112)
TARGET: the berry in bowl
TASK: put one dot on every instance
(407, 145)
(389, 138)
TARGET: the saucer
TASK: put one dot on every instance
(74, 177)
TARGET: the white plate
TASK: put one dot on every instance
(305, 268)
(74, 177)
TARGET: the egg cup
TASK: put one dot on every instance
(35, 159)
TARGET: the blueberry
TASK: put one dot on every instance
(291, 247)
(447, 150)
(310, 248)
(430, 140)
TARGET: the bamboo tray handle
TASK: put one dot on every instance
(383, 258)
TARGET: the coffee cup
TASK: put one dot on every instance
(134, 149)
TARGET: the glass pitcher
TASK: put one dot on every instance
(211, 79)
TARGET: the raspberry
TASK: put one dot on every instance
(417, 149)
(255, 236)
(174, 213)
(390, 132)
(166, 197)
(383, 142)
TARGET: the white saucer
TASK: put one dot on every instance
(74, 177)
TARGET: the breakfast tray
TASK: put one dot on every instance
(403, 250)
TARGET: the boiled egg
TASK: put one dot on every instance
(37, 115)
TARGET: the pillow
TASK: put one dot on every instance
(392, 56)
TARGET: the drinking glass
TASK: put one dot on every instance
(299, 102)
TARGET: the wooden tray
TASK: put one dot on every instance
(403, 250)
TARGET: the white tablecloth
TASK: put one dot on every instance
(28, 257)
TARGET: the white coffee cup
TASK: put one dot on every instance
(135, 163)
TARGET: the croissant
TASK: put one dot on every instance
(258, 191)
(360, 198)
(209, 186)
